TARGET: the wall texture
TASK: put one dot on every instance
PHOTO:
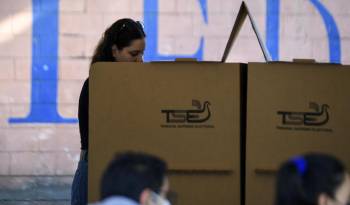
(46, 46)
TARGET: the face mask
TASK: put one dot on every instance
(340, 203)
(337, 202)
(158, 200)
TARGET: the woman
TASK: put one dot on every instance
(313, 179)
(123, 41)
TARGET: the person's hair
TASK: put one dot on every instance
(130, 173)
(301, 180)
(121, 33)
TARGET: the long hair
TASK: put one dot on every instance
(121, 33)
(301, 180)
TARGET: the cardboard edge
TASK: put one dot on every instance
(242, 14)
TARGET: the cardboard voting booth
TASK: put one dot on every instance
(187, 113)
(223, 128)
(293, 108)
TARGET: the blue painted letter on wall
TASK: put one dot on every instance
(43, 107)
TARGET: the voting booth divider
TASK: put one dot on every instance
(187, 113)
(293, 108)
(223, 128)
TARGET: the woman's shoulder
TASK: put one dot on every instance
(86, 83)
(85, 89)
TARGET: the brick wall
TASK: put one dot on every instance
(39, 159)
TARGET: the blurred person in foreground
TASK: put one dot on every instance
(312, 179)
(135, 179)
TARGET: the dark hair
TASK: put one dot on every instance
(121, 33)
(130, 173)
(301, 180)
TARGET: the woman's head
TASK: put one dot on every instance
(312, 179)
(123, 41)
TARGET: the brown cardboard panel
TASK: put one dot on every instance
(187, 113)
(298, 60)
(204, 188)
(293, 108)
